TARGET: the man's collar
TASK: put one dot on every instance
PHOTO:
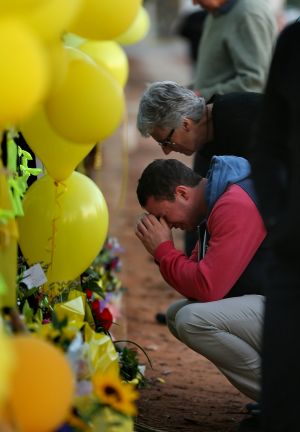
(225, 7)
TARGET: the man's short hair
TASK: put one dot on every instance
(161, 177)
(165, 104)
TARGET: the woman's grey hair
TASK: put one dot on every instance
(165, 104)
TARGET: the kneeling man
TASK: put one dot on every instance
(221, 315)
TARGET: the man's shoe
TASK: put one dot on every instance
(161, 318)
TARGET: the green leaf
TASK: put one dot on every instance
(12, 152)
(93, 286)
(58, 324)
(39, 316)
(89, 316)
(27, 312)
(3, 286)
(137, 345)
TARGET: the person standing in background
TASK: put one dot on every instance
(277, 7)
(291, 11)
(235, 47)
(191, 24)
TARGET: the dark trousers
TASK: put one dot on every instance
(281, 349)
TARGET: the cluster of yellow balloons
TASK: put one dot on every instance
(62, 77)
(36, 69)
(27, 29)
(62, 73)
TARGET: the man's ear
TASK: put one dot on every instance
(186, 124)
(182, 191)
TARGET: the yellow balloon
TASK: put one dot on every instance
(58, 63)
(53, 17)
(89, 105)
(18, 5)
(65, 225)
(110, 55)
(49, 18)
(23, 71)
(138, 29)
(59, 155)
(102, 19)
(42, 385)
(6, 366)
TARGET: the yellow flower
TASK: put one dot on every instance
(52, 291)
(112, 391)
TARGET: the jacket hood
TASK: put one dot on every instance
(224, 171)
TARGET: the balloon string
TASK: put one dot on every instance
(57, 216)
(125, 162)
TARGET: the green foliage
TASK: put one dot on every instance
(129, 366)
(57, 323)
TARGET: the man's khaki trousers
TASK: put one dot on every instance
(228, 333)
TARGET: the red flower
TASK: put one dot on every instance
(105, 319)
(96, 306)
(89, 293)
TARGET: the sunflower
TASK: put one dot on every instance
(113, 392)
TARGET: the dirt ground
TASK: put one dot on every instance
(187, 393)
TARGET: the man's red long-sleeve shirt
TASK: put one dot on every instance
(236, 231)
